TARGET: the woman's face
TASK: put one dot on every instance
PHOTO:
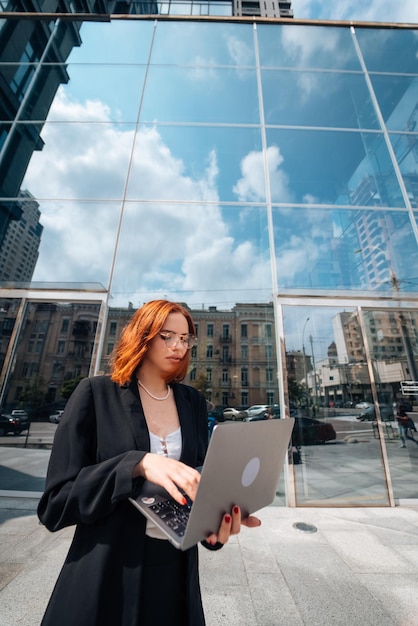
(160, 356)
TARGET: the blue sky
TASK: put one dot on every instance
(369, 10)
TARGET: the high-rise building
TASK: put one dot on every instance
(20, 249)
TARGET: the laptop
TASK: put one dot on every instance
(242, 467)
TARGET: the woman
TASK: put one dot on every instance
(116, 431)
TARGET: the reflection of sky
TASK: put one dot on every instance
(199, 141)
(370, 11)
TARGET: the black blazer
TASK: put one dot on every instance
(101, 437)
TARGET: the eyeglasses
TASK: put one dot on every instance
(171, 339)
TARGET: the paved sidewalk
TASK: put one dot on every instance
(360, 568)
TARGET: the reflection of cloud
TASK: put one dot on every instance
(164, 249)
(239, 51)
(251, 187)
(373, 10)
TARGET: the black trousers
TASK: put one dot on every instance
(164, 586)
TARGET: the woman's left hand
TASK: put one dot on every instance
(231, 525)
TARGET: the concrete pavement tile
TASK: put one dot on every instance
(222, 569)
(24, 599)
(233, 606)
(362, 551)
(272, 600)
(410, 553)
(8, 572)
(325, 590)
(397, 594)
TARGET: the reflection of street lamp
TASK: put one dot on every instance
(304, 364)
(314, 368)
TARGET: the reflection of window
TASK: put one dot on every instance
(268, 330)
(244, 376)
(244, 330)
(270, 397)
(225, 331)
(269, 375)
(194, 352)
(209, 375)
(210, 330)
(269, 352)
(112, 329)
(224, 376)
(244, 398)
(225, 354)
(109, 349)
(244, 352)
(196, 329)
(60, 347)
(209, 352)
(193, 374)
(64, 325)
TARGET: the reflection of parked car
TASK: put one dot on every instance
(234, 414)
(363, 405)
(20, 413)
(256, 409)
(308, 431)
(55, 417)
(369, 414)
(13, 424)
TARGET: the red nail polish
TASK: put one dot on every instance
(227, 518)
(236, 510)
(184, 501)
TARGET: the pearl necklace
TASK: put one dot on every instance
(151, 395)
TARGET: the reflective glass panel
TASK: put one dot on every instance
(196, 163)
(350, 168)
(330, 394)
(397, 97)
(405, 147)
(201, 45)
(389, 50)
(393, 340)
(306, 47)
(80, 160)
(194, 94)
(195, 253)
(114, 90)
(345, 249)
(120, 41)
(62, 240)
(317, 99)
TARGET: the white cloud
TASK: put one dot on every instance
(251, 187)
(164, 247)
(371, 11)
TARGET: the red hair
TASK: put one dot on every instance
(139, 332)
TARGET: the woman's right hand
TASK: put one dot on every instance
(169, 474)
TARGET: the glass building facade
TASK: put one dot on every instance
(263, 173)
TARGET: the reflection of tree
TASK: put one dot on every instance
(33, 397)
(201, 384)
(297, 392)
(69, 386)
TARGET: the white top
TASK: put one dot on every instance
(171, 448)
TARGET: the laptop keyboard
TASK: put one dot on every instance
(173, 514)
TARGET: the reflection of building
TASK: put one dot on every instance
(19, 252)
(235, 358)
(390, 336)
(56, 346)
(26, 95)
